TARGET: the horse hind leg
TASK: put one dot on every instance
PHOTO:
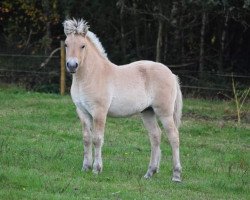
(173, 137)
(154, 131)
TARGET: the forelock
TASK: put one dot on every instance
(75, 26)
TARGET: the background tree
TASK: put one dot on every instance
(197, 37)
(26, 25)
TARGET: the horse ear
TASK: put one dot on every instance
(85, 31)
(85, 28)
(65, 27)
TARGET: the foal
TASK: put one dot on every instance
(101, 88)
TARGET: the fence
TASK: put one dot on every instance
(47, 74)
(35, 72)
(212, 84)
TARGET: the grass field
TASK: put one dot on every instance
(41, 153)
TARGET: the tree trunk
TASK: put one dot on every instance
(159, 36)
(159, 42)
(136, 29)
(146, 38)
(223, 41)
(176, 32)
(47, 40)
(48, 37)
(202, 44)
(123, 43)
(165, 57)
(182, 31)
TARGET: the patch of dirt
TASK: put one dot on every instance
(245, 117)
(195, 115)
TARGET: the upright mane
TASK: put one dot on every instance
(95, 40)
(81, 27)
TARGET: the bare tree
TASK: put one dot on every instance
(175, 11)
(121, 5)
(223, 40)
(202, 43)
(47, 38)
(136, 29)
(159, 35)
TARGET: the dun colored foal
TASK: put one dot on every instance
(101, 88)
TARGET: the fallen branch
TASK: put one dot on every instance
(181, 65)
(50, 56)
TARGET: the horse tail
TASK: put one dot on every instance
(178, 104)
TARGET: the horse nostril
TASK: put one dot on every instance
(72, 64)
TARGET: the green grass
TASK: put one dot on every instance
(41, 153)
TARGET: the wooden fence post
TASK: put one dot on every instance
(62, 76)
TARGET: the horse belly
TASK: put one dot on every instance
(127, 106)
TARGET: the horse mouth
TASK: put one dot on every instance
(71, 71)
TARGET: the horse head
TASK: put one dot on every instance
(75, 43)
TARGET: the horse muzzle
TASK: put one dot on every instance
(71, 65)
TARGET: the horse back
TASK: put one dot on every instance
(137, 85)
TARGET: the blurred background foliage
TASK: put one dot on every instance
(193, 37)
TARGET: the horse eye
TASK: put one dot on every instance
(83, 46)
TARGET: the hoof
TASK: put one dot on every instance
(176, 179)
(147, 176)
(177, 174)
(151, 171)
(86, 168)
(97, 169)
(95, 172)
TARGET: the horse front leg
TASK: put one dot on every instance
(98, 139)
(87, 140)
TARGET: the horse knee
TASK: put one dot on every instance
(87, 142)
(97, 140)
(155, 139)
(174, 141)
(87, 138)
